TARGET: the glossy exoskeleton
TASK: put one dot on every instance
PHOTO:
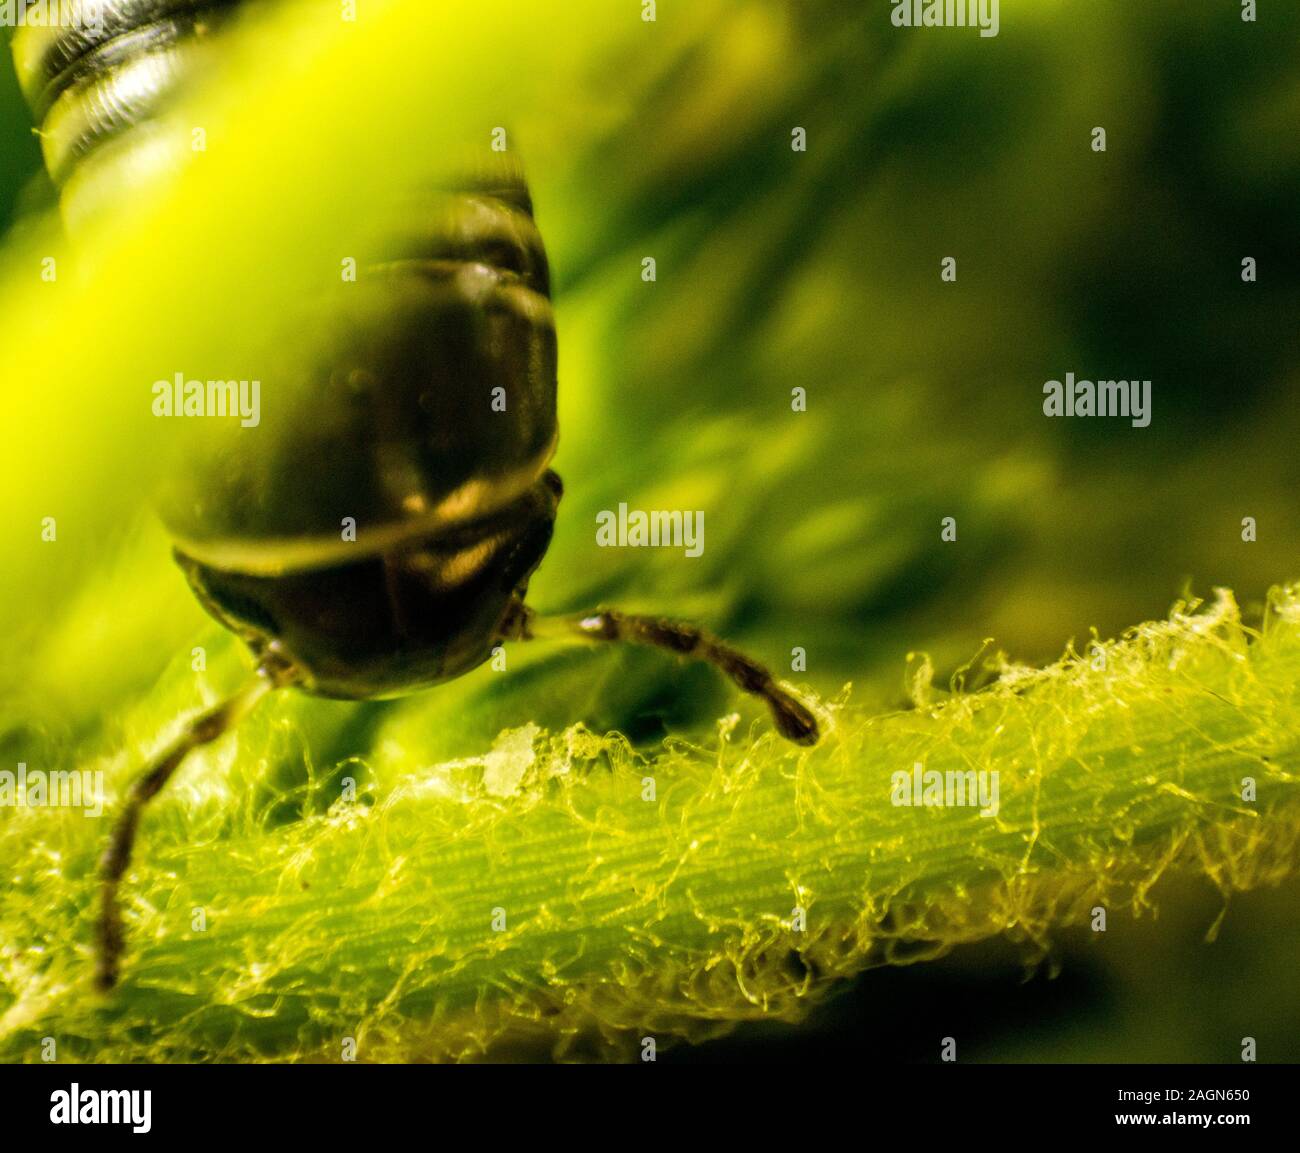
(452, 500)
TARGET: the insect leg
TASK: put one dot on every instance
(794, 720)
(202, 730)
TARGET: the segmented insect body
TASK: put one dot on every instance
(97, 83)
(394, 431)
(391, 426)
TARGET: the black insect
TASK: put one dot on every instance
(453, 502)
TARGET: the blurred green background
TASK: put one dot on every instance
(821, 270)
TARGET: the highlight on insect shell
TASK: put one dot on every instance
(604, 531)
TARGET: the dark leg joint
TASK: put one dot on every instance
(793, 719)
(110, 941)
(602, 626)
(682, 639)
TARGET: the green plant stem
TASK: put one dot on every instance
(450, 917)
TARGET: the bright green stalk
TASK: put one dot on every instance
(537, 896)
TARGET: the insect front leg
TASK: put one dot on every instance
(793, 719)
(205, 728)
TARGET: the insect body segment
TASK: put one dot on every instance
(428, 407)
(97, 85)
(392, 425)
(424, 610)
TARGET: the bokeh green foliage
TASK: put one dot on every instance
(774, 270)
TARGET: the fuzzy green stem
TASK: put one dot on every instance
(565, 887)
